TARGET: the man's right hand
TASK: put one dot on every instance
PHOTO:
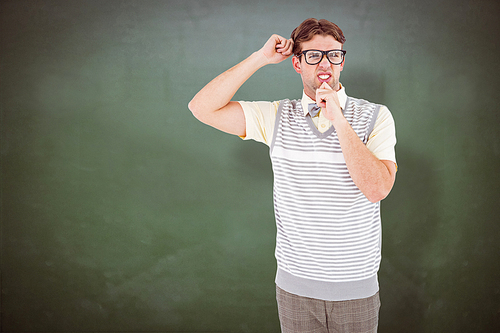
(277, 49)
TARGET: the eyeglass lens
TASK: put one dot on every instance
(315, 57)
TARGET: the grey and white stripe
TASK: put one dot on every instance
(327, 230)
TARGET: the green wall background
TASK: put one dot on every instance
(122, 213)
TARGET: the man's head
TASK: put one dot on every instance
(311, 27)
(312, 36)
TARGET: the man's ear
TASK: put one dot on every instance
(296, 64)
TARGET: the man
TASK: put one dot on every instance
(331, 168)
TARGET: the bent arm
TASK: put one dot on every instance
(372, 176)
(212, 104)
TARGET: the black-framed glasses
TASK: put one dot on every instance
(314, 57)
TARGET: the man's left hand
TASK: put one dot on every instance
(327, 99)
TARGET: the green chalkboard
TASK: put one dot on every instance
(120, 212)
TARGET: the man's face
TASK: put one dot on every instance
(313, 76)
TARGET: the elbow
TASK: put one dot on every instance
(376, 197)
(378, 194)
(194, 108)
(379, 190)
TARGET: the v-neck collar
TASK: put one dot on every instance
(306, 100)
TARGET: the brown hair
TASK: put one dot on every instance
(311, 27)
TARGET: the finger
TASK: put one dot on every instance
(288, 47)
(320, 98)
(285, 51)
(285, 46)
(329, 96)
(282, 46)
(279, 40)
(322, 89)
(286, 43)
(325, 94)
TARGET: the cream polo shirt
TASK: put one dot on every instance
(261, 116)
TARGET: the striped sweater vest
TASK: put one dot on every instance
(328, 243)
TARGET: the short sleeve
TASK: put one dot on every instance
(382, 140)
(260, 118)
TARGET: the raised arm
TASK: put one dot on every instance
(212, 105)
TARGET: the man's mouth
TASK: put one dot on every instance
(324, 77)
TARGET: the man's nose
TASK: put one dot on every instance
(324, 63)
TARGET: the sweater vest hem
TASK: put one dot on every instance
(327, 291)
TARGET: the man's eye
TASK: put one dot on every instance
(313, 55)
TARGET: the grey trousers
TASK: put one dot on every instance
(301, 314)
